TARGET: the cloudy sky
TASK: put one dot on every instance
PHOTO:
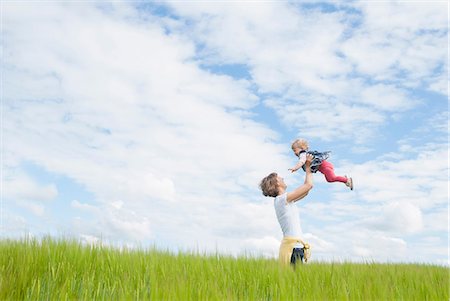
(151, 124)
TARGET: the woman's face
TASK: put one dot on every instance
(281, 183)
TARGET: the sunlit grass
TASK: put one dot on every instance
(64, 269)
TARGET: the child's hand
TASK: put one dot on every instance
(293, 169)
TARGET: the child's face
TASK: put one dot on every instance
(296, 150)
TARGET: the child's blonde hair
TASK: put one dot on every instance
(300, 143)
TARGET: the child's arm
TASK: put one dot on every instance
(300, 163)
(296, 167)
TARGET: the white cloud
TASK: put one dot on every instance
(350, 243)
(82, 206)
(437, 220)
(267, 246)
(13, 224)
(318, 244)
(128, 114)
(386, 98)
(89, 239)
(440, 84)
(361, 150)
(400, 217)
(408, 38)
(399, 15)
(398, 201)
(421, 181)
(320, 59)
(17, 185)
(35, 208)
(328, 120)
(113, 223)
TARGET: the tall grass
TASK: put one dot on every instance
(66, 270)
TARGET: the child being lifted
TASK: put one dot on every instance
(319, 163)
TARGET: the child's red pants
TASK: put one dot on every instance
(328, 170)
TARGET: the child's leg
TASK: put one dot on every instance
(328, 170)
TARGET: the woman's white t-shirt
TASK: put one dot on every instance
(287, 215)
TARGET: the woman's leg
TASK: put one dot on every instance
(328, 171)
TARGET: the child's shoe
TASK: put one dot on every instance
(349, 183)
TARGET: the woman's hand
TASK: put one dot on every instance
(309, 158)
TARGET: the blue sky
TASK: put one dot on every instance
(145, 124)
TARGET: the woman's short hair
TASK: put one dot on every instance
(269, 185)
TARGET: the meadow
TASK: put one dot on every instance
(52, 269)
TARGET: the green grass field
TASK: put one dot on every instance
(66, 270)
